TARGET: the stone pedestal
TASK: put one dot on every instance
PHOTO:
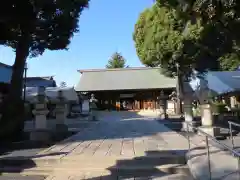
(189, 126)
(232, 102)
(162, 113)
(60, 117)
(188, 116)
(94, 115)
(207, 121)
(41, 132)
(40, 113)
(41, 135)
(207, 117)
(210, 130)
(60, 113)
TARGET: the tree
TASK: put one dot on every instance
(116, 61)
(30, 27)
(63, 84)
(159, 39)
(190, 34)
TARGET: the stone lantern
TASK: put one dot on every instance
(61, 113)
(162, 98)
(41, 131)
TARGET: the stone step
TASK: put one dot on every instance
(21, 177)
(99, 164)
(137, 171)
(167, 163)
(99, 176)
(38, 171)
(57, 158)
(174, 177)
(150, 170)
(30, 162)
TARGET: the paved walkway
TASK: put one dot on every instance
(120, 141)
(115, 141)
(128, 140)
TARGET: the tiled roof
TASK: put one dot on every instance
(6, 74)
(123, 79)
(47, 81)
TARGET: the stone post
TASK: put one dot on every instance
(41, 131)
(232, 101)
(162, 105)
(61, 113)
(189, 123)
(207, 121)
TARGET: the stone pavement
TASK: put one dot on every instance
(121, 142)
(134, 146)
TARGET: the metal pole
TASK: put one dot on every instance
(231, 136)
(238, 167)
(188, 137)
(208, 159)
(178, 89)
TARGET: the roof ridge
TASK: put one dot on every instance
(116, 69)
(39, 76)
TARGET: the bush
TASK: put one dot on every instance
(219, 107)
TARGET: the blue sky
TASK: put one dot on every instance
(107, 26)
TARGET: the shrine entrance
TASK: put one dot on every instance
(127, 101)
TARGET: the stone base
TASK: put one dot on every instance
(94, 118)
(163, 116)
(40, 136)
(190, 128)
(210, 130)
(61, 132)
(61, 128)
(94, 115)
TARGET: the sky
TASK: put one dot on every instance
(105, 27)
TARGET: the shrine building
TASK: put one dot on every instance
(126, 88)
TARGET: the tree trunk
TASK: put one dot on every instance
(12, 121)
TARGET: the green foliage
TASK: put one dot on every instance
(49, 23)
(116, 61)
(159, 37)
(30, 27)
(219, 107)
(230, 62)
(201, 35)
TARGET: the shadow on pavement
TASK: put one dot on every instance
(18, 164)
(120, 125)
(154, 164)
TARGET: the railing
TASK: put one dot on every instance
(207, 139)
(230, 123)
